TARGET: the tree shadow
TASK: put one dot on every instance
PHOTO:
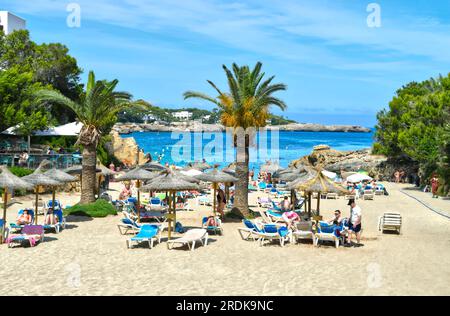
(78, 218)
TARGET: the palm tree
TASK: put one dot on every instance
(246, 105)
(97, 110)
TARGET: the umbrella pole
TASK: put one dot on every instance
(5, 203)
(318, 203)
(53, 198)
(169, 219)
(214, 199)
(138, 184)
(36, 205)
(309, 205)
(174, 209)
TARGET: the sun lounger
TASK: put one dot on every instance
(333, 196)
(59, 225)
(156, 205)
(390, 221)
(57, 205)
(17, 228)
(266, 219)
(148, 233)
(275, 216)
(216, 229)
(204, 200)
(32, 234)
(326, 232)
(40, 207)
(303, 230)
(273, 232)
(249, 230)
(264, 202)
(190, 238)
(368, 195)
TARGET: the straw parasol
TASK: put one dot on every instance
(270, 167)
(10, 181)
(216, 176)
(202, 166)
(39, 179)
(139, 174)
(318, 183)
(170, 182)
(60, 176)
(153, 166)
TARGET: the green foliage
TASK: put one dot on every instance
(28, 67)
(98, 209)
(416, 126)
(20, 172)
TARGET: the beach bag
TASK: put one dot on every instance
(179, 228)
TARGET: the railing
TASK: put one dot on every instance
(58, 160)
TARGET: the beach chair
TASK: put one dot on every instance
(126, 224)
(326, 232)
(273, 232)
(57, 205)
(390, 221)
(249, 230)
(379, 190)
(60, 225)
(40, 206)
(32, 234)
(156, 204)
(333, 196)
(303, 230)
(216, 229)
(17, 228)
(264, 202)
(275, 207)
(147, 233)
(190, 238)
(368, 195)
(275, 216)
(184, 206)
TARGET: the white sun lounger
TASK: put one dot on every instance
(190, 238)
(390, 221)
(368, 195)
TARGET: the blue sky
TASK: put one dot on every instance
(338, 69)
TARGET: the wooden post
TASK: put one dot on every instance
(138, 207)
(170, 218)
(174, 209)
(5, 204)
(309, 204)
(36, 205)
(53, 199)
(214, 198)
(318, 203)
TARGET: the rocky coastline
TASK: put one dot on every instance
(127, 128)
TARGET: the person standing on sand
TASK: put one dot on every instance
(434, 186)
(221, 202)
(354, 225)
(397, 176)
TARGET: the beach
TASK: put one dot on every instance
(90, 257)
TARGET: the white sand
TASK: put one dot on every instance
(90, 258)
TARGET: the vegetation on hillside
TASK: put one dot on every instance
(416, 126)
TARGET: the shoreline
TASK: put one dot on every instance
(128, 128)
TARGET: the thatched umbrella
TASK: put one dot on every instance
(270, 167)
(216, 176)
(153, 166)
(78, 170)
(202, 166)
(39, 179)
(139, 174)
(59, 176)
(318, 183)
(10, 181)
(168, 181)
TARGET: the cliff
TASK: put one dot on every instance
(125, 149)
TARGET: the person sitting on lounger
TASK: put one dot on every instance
(337, 219)
(50, 218)
(126, 192)
(24, 218)
(285, 204)
(290, 217)
(211, 222)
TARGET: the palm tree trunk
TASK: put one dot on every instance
(88, 181)
(241, 187)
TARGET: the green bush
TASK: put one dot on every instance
(100, 208)
(20, 172)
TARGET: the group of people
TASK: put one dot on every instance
(25, 218)
(353, 224)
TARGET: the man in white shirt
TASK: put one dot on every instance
(354, 222)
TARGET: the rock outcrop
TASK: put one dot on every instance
(126, 150)
(378, 166)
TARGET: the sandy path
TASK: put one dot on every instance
(90, 257)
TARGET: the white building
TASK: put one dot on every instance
(10, 22)
(182, 115)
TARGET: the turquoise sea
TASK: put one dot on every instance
(195, 146)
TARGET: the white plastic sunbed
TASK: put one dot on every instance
(390, 221)
(303, 230)
(368, 195)
(190, 238)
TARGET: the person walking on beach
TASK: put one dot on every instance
(221, 202)
(354, 225)
(434, 186)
